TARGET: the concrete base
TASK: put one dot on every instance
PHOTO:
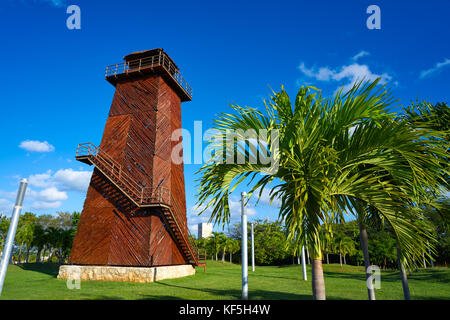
(130, 274)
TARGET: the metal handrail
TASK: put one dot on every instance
(149, 62)
(142, 196)
(185, 230)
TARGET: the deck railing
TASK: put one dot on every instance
(158, 60)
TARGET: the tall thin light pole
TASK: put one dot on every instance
(244, 253)
(12, 232)
(304, 264)
(253, 249)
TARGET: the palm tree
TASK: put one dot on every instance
(235, 247)
(343, 245)
(347, 247)
(25, 232)
(418, 150)
(327, 243)
(321, 170)
(224, 248)
(39, 240)
(52, 235)
(228, 246)
(217, 241)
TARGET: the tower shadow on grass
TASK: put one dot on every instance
(237, 294)
(394, 275)
(50, 269)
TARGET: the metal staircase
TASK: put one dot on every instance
(143, 197)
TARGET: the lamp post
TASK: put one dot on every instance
(304, 263)
(12, 232)
(244, 248)
(253, 249)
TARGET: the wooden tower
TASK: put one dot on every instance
(135, 208)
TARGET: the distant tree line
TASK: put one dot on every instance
(343, 246)
(44, 238)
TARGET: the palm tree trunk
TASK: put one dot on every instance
(403, 276)
(28, 254)
(340, 259)
(307, 255)
(328, 261)
(431, 259)
(365, 249)
(20, 252)
(223, 256)
(50, 255)
(38, 255)
(318, 283)
(231, 257)
(61, 258)
(345, 261)
(424, 261)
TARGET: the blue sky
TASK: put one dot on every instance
(54, 95)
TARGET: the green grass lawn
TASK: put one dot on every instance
(223, 281)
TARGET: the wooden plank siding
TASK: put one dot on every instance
(112, 230)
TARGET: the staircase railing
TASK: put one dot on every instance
(140, 194)
(137, 193)
(190, 241)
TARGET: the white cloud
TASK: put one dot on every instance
(11, 195)
(47, 190)
(6, 206)
(48, 198)
(65, 179)
(265, 198)
(235, 209)
(41, 180)
(45, 205)
(360, 55)
(36, 146)
(52, 194)
(347, 73)
(30, 194)
(193, 219)
(54, 3)
(70, 179)
(436, 68)
(323, 74)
